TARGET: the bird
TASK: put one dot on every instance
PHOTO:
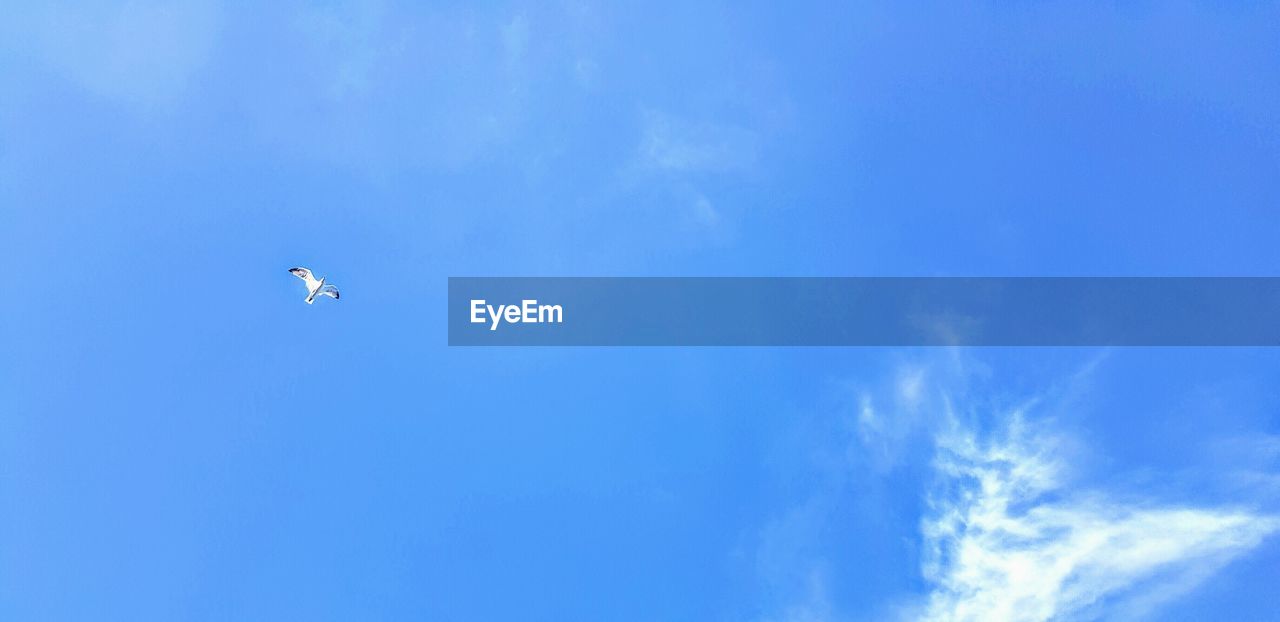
(315, 287)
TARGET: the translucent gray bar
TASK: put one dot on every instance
(866, 311)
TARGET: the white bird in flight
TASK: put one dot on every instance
(315, 287)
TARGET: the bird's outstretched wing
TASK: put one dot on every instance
(305, 275)
(329, 290)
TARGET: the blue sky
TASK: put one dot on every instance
(182, 438)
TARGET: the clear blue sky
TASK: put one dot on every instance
(182, 438)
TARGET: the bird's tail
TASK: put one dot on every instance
(311, 298)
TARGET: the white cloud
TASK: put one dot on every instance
(911, 386)
(886, 425)
(1012, 534)
(1012, 531)
(1009, 540)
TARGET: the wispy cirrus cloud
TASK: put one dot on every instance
(1016, 527)
(1009, 538)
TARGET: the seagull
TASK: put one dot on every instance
(315, 287)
